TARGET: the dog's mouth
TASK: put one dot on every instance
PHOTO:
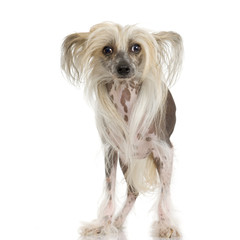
(125, 77)
(128, 77)
(122, 79)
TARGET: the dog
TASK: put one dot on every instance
(127, 72)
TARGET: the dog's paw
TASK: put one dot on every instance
(98, 228)
(164, 231)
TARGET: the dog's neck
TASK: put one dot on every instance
(124, 94)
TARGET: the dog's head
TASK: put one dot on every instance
(109, 51)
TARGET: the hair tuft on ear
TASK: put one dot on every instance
(73, 49)
(170, 55)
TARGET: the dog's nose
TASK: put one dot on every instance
(123, 70)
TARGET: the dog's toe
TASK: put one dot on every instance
(97, 228)
(169, 232)
(164, 231)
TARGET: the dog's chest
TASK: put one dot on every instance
(124, 97)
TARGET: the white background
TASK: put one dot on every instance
(51, 165)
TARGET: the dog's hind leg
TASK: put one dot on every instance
(103, 225)
(165, 227)
(131, 198)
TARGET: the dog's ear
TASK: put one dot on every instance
(73, 49)
(170, 50)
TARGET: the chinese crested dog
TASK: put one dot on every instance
(127, 72)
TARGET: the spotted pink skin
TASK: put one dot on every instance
(124, 97)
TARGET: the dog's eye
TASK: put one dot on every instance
(136, 48)
(107, 50)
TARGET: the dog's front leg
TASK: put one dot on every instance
(132, 195)
(107, 207)
(103, 225)
(165, 227)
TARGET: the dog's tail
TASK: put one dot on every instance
(142, 175)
